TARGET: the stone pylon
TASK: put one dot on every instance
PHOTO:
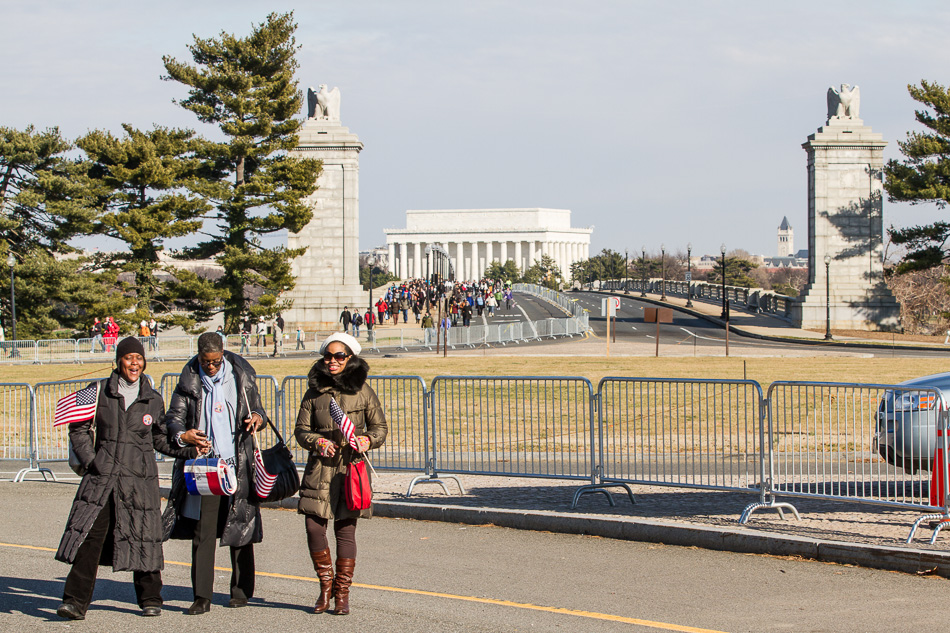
(845, 224)
(328, 273)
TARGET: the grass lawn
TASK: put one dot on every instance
(763, 370)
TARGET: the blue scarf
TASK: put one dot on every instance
(219, 409)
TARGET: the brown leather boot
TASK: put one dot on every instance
(341, 585)
(323, 565)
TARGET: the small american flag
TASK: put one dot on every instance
(343, 422)
(78, 406)
(263, 480)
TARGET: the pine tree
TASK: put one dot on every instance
(246, 87)
(144, 183)
(924, 176)
(42, 193)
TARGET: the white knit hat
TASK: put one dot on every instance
(346, 339)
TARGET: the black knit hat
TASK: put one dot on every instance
(129, 345)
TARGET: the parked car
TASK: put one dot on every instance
(907, 422)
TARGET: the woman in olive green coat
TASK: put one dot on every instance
(341, 376)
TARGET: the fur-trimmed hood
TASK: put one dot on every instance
(351, 380)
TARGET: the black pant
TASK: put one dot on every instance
(81, 580)
(202, 555)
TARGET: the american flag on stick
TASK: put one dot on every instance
(343, 423)
(78, 406)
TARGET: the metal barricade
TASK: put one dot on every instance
(16, 426)
(272, 401)
(56, 351)
(535, 426)
(862, 443)
(51, 444)
(18, 352)
(683, 433)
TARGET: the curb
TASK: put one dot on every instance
(739, 540)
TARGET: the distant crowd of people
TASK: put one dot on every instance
(431, 304)
(105, 334)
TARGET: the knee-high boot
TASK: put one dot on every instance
(341, 585)
(323, 565)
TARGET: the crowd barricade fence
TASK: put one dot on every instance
(16, 426)
(861, 443)
(56, 350)
(536, 426)
(687, 433)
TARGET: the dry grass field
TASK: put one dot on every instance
(763, 370)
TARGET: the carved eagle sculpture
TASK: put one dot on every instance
(324, 104)
(845, 104)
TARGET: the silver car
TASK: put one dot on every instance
(907, 422)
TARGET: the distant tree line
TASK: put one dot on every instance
(145, 187)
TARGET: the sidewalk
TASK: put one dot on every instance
(832, 531)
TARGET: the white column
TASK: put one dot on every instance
(562, 256)
(459, 273)
(489, 255)
(532, 254)
(417, 260)
(392, 258)
(474, 247)
(403, 260)
(518, 261)
(504, 252)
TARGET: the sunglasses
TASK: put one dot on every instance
(339, 356)
(211, 363)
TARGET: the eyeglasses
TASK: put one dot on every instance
(339, 356)
(211, 363)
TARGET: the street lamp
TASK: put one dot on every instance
(626, 271)
(11, 262)
(372, 262)
(662, 272)
(725, 304)
(689, 275)
(643, 271)
(827, 298)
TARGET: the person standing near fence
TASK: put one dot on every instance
(153, 335)
(116, 514)
(301, 337)
(97, 340)
(215, 407)
(339, 378)
(278, 335)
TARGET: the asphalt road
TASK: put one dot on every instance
(690, 330)
(418, 576)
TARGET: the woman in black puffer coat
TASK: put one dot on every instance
(341, 376)
(116, 516)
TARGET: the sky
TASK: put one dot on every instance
(654, 122)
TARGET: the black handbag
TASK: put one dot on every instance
(279, 479)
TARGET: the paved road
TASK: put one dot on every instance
(417, 576)
(689, 330)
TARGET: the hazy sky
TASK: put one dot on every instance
(655, 122)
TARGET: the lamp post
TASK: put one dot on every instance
(827, 298)
(626, 271)
(643, 271)
(725, 305)
(372, 262)
(662, 272)
(689, 275)
(11, 262)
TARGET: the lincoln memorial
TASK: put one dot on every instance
(474, 238)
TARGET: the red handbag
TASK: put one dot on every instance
(359, 492)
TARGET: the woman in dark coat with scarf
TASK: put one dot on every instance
(116, 516)
(340, 376)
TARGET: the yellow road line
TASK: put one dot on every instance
(450, 596)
